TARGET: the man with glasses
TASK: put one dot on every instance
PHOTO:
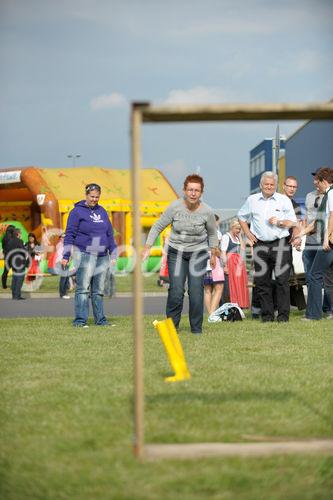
(290, 187)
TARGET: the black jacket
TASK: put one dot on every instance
(16, 256)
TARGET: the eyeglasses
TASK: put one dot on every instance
(291, 187)
(316, 202)
(193, 190)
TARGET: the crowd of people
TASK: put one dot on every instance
(272, 223)
(210, 266)
(24, 262)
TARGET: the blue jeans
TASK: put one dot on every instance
(308, 256)
(322, 263)
(190, 266)
(90, 278)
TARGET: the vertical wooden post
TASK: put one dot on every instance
(136, 119)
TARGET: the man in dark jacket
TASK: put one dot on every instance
(7, 236)
(17, 260)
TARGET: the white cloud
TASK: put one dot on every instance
(195, 95)
(108, 101)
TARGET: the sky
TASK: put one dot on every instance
(71, 68)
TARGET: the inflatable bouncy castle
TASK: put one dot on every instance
(41, 199)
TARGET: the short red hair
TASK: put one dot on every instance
(194, 178)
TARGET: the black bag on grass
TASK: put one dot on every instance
(227, 312)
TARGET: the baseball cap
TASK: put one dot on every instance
(316, 172)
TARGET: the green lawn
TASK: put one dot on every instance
(66, 410)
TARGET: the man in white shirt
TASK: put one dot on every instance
(266, 218)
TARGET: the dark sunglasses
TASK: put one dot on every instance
(92, 187)
(316, 202)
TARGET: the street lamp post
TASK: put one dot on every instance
(73, 157)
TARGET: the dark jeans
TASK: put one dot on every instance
(4, 277)
(226, 290)
(190, 266)
(272, 256)
(63, 285)
(6, 268)
(322, 263)
(17, 283)
(328, 284)
(308, 256)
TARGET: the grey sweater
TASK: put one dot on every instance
(190, 231)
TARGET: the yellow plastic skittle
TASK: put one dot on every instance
(173, 349)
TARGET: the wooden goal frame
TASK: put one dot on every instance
(145, 112)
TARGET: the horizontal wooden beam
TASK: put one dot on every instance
(206, 450)
(234, 112)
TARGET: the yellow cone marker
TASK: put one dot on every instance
(174, 350)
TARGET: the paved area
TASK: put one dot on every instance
(50, 305)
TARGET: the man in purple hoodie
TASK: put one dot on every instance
(89, 236)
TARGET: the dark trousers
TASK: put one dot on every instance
(17, 283)
(63, 285)
(4, 277)
(190, 266)
(272, 256)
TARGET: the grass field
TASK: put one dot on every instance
(66, 410)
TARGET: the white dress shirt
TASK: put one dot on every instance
(329, 206)
(257, 210)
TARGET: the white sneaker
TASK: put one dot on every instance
(329, 316)
(65, 297)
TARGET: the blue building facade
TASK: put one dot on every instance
(307, 149)
(261, 159)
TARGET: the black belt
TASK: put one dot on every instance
(272, 241)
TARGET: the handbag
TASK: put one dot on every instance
(217, 272)
(227, 312)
